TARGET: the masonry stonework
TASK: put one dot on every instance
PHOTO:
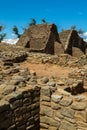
(61, 111)
(20, 111)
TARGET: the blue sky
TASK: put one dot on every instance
(64, 13)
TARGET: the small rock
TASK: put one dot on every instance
(9, 89)
(53, 89)
(4, 105)
(21, 84)
(33, 73)
(56, 98)
(80, 98)
(61, 83)
(44, 80)
(53, 84)
(66, 102)
(79, 105)
(8, 64)
(67, 112)
(18, 78)
(45, 91)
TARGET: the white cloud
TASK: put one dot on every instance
(10, 41)
(85, 34)
(12, 34)
(85, 39)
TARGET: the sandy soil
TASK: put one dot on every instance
(47, 69)
(50, 70)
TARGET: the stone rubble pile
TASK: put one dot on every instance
(10, 54)
(79, 73)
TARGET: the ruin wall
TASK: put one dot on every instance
(61, 111)
(20, 110)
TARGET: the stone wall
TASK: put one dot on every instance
(72, 43)
(59, 105)
(76, 45)
(10, 54)
(62, 111)
(52, 108)
(20, 110)
(62, 59)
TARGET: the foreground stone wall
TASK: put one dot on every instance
(52, 108)
(20, 110)
(62, 111)
(60, 105)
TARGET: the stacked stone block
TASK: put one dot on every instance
(62, 111)
(20, 110)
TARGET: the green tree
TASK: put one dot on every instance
(16, 31)
(73, 27)
(80, 31)
(2, 35)
(33, 22)
(1, 27)
(44, 21)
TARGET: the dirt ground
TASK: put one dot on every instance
(48, 70)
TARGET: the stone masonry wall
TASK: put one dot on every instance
(52, 108)
(59, 105)
(63, 59)
(20, 110)
(62, 111)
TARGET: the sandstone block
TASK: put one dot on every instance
(46, 103)
(49, 121)
(56, 98)
(4, 105)
(55, 106)
(67, 112)
(66, 102)
(79, 105)
(53, 128)
(44, 80)
(45, 126)
(45, 98)
(46, 91)
(21, 127)
(81, 116)
(17, 103)
(47, 111)
(67, 126)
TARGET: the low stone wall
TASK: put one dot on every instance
(12, 53)
(62, 59)
(52, 108)
(62, 111)
(20, 110)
